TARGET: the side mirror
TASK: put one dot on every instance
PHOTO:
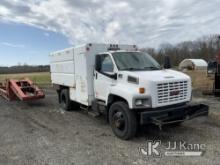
(167, 62)
(98, 63)
(108, 68)
(112, 75)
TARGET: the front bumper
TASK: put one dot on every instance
(173, 114)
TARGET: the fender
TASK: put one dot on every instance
(127, 93)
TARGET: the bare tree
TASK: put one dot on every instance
(205, 48)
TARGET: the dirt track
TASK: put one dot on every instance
(41, 133)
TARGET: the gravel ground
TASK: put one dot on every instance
(41, 133)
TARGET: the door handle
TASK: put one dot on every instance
(96, 75)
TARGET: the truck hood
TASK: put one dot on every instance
(159, 75)
(164, 79)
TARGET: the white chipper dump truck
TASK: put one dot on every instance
(125, 84)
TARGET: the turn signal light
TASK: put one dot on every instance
(141, 90)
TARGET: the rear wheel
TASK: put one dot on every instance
(122, 120)
(65, 101)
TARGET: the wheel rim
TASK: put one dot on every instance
(119, 121)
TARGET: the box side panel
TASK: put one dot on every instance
(63, 79)
(62, 55)
(73, 94)
(81, 90)
(66, 67)
(62, 68)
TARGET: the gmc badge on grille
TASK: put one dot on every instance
(174, 93)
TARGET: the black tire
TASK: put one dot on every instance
(175, 124)
(123, 121)
(65, 101)
(75, 106)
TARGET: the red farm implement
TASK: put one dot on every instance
(23, 90)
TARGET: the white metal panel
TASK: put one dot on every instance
(81, 90)
(63, 79)
(81, 75)
(63, 67)
(73, 94)
(63, 55)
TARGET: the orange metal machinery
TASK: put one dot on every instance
(23, 90)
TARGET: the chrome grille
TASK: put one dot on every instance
(172, 92)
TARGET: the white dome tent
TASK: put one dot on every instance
(193, 64)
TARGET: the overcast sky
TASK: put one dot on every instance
(41, 26)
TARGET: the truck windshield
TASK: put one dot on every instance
(135, 61)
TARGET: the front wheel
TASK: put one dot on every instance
(122, 120)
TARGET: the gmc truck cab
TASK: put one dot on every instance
(125, 84)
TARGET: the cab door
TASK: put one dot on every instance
(104, 76)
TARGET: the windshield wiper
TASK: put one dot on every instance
(135, 69)
(131, 69)
(152, 68)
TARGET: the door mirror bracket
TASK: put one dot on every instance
(167, 62)
(111, 75)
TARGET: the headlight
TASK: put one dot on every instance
(138, 102)
(142, 103)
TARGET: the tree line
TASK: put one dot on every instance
(206, 47)
(24, 69)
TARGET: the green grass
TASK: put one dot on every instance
(38, 78)
(199, 78)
